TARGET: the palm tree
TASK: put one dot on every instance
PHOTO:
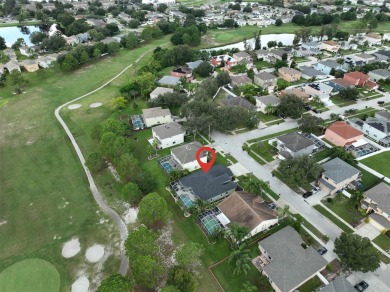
(200, 206)
(270, 109)
(286, 211)
(218, 234)
(241, 259)
(237, 233)
(356, 198)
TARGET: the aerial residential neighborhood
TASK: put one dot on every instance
(208, 145)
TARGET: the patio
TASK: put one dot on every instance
(168, 163)
(138, 122)
(260, 262)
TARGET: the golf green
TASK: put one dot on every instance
(31, 275)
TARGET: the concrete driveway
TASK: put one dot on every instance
(368, 230)
(378, 281)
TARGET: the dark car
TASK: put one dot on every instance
(381, 102)
(307, 194)
(322, 250)
(381, 89)
(315, 110)
(361, 286)
(307, 107)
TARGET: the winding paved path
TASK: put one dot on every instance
(95, 192)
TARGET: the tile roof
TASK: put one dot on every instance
(344, 130)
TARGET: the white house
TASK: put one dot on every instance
(330, 46)
(185, 155)
(373, 39)
(327, 66)
(267, 100)
(156, 116)
(168, 135)
(159, 91)
(247, 210)
(318, 89)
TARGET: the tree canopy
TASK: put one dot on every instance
(182, 279)
(310, 124)
(153, 209)
(290, 106)
(141, 242)
(116, 283)
(147, 271)
(356, 253)
(341, 153)
(188, 256)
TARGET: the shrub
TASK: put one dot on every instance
(329, 200)
(329, 267)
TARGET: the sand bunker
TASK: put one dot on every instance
(95, 104)
(74, 106)
(80, 285)
(71, 248)
(95, 253)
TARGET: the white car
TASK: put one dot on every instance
(316, 190)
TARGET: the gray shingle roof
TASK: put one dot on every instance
(381, 72)
(380, 194)
(338, 170)
(238, 101)
(295, 142)
(155, 112)
(381, 220)
(169, 80)
(194, 65)
(290, 264)
(207, 185)
(340, 284)
(187, 152)
(168, 130)
(268, 99)
(309, 71)
(383, 114)
(265, 76)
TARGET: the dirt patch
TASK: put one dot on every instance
(74, 106)
(95, 253)
(71, 248)
(130, 215)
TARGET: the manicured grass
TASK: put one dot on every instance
(32, 275)
(343, 207)
(263, 64)
(337, 100)
(267, 137)
(379, 163)
(308, 225)
(266, 151)
(24, 23)
(303, 184)
(382, 241)
(368, 179)
(269, 124)
(332, 218)
(265, 118)
(40, 171)
(312, 285)
(322, 154)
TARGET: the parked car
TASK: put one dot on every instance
(307, 107)
(322, 250)
(381, 89)
(361, 286)
(272, 206)
(307, 194)
(316, 190)
(381, 102)
(315, 110)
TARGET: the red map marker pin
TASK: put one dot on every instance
(206, 165)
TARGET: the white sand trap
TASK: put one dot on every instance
(80, 285)
(71, 248)
(130, 216)
(74, 106)
(95, 253)
(95, 104)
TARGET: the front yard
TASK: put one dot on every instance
(342, 206)
(265, 118)
(265, 150)
(379, 163)
(312, 285)
(383, 242)
(332, 218)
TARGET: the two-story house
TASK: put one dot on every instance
(265, 79)
(292, 145)
(156, 116)
(341, 134)
(168, 135)
(289, 74)
(337, 175)
(185, 155)
(327, 66)
(330, 46)
(377, 204)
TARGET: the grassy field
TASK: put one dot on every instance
(32, 275)
(383, 241)
(266, 151)
(379, 163)
(44, 198)
(332, 218)
(343, 207)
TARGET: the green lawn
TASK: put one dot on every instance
(40, 171)
(32, 275)
(337, 100)
(368, 179)
(343, 207)
(312, 285)
(379, 163)
(265, 118)
(267, 137)
(308, 225)
(266, 151)
(263, 64)
(383, 241)
(322, 154)
(332, 218)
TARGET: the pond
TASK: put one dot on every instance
(285, 38)
(12, 33)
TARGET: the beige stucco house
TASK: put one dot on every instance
(289, 74)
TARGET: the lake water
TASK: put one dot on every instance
(12, 33)
(285, 38)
